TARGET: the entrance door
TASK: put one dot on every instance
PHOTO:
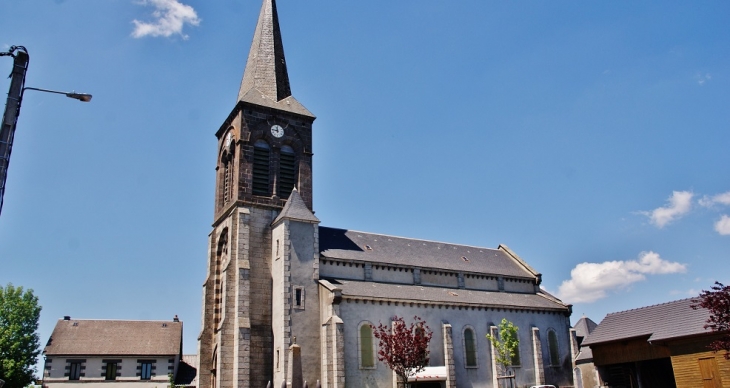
(710, 374)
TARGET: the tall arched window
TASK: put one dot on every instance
(516, 356)
(553, 348)
(220, 257)
(287, 172)
(470, 348)
(367, 348)
(260, 168)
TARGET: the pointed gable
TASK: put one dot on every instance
(266, 80)
(295, 209)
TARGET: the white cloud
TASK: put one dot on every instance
(170, 18)
(702, 78)
(678, 205)
(591, 281)
(722, 226)
(722, 199)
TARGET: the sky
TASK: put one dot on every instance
(590, 137)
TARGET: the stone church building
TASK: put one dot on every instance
(288, 300)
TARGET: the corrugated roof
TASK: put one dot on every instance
(659, 322)
(416, 293)
(378, 248)
(112, 337)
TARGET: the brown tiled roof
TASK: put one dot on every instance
(377, 248)
(439, 295)
(111, 337)
(659, 322)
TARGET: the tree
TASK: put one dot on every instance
(404, 348)
(717, 301)
(19, 342)
(505, 344)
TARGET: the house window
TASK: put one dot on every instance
(145, 369)
(260, 168)
(111, 370)
(553, 348)
(287, 172)
(299, 298)
(74, 371)
(470, 348)
(367, 350)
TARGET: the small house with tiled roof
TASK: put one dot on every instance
(664, 345)
(128, 354)
(286, 300)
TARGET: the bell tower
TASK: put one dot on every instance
(264, 159)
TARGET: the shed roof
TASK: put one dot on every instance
(114, 337)
(659, 322)
(378, 248)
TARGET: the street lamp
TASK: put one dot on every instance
(12, 109)
(83, 97)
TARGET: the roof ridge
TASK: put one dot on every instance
(411, 238)
(650, 306)
(118, 320)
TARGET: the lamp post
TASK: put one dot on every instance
(12, 108)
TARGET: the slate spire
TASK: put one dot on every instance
(295, 209)
(266, 66)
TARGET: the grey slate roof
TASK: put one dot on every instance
(111, 337)
(265, 80)
(659, 322)
(416, 293)
(296, 209)
(584, 326)
(352, 245)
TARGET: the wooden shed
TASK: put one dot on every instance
(664, 345)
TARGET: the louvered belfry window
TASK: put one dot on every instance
(261, 168)
(287, 171)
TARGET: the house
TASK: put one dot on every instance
(664, 345)
(93, 353)
(286, 300)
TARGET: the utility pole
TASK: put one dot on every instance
(12, 110)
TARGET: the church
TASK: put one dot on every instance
(286, 300)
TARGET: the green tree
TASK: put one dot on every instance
(505, 344)
(19, 342)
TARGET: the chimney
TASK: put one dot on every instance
(176, 319)
(66, 317)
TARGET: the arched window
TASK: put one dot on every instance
(287, 172)
(470, 348)
(516, 356)
(367, 348)
(220, 257)
(260, 168)
(553, 348)
(227, 177)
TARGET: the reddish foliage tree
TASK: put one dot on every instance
(404, 348)
(718, 302)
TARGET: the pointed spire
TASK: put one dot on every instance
(266, 66)
(265, 80)
(295, 209)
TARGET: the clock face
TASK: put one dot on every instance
(229, 139)
(277, 130)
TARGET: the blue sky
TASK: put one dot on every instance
(590, 137)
